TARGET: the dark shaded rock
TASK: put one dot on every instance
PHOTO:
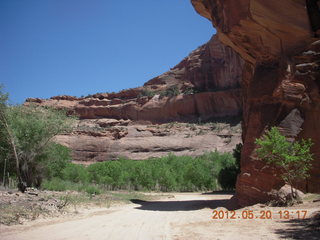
(291, 125)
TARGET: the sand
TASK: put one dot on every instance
(182, 216)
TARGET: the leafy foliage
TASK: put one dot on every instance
(292, 158)
(26, 139)
(58, 184)
(5, 153)
(146, 93)
(170, 92)
(75, 173)
(169, 173)
(237, 154)
(33, 129)
(58, 157)
(228, 175)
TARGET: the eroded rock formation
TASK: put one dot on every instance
(280, 85)
(208, 81)
(205, 86)
(92, 143)
(212, 66)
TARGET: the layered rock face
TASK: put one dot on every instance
(205, 86)
(108, 139)
(212, 67)
(207, 81)
(280, 85)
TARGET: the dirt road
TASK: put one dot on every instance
(184, 216)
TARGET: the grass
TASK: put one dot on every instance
(311, 196)
(57, 184)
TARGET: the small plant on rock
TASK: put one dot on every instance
(146, 93)
(172, 91)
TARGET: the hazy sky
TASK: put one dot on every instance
(80, 47)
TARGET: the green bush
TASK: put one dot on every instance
(56, 184)
(146, 93)
(170, 92)
(91, 189)
(227, 177)
(211, 171)
(237, 154)
(75, 173)
(293, 159)
(59, 156)
(189, 91)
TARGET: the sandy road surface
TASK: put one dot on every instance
(186, 216)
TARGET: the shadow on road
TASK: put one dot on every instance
(301, 229)
(189, 205)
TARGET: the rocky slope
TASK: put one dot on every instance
(204, 87)
(280, 84)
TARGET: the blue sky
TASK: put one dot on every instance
(80, 47)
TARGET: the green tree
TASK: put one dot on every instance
(8, 144)
(75, 173)
(292, 158)
(58, 157)
(5, 154)
(237, 155)
(26, 135)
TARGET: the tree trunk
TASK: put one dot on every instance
(21, 184)
(293, 193)
(4, 172)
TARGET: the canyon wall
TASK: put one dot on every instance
(205, 86)
(280, 84)
(207, 81)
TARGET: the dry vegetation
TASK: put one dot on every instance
(17, 207)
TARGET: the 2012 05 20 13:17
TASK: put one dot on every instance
(263, 214)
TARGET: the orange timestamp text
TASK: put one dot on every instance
(263, 214)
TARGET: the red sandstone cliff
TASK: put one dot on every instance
(206, 86)
(280, 84)
(208, 81)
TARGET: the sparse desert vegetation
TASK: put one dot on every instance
(17, 207)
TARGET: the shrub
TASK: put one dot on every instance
(169, 173)
(170, 92)
(237, 154)
(292, 158)
(75, 173)
(90, 189)
(59, 156)
(228, 177)
(146, 93)
(56, 184)
(189, 91)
